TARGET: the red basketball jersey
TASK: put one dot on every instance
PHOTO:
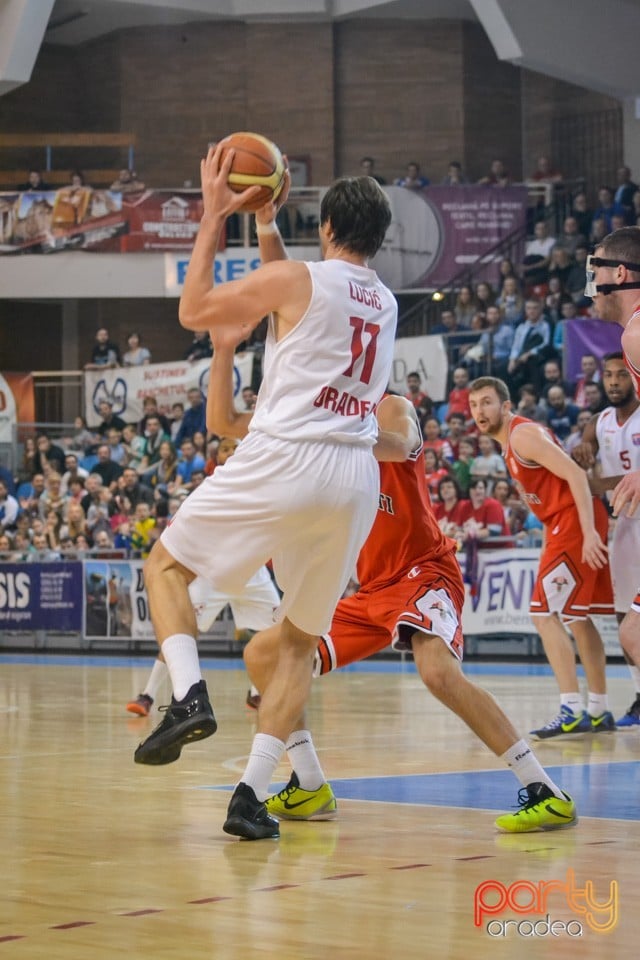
(545, 494)
(405, 531)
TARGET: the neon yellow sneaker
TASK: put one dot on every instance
(294, 803)
(540, 809)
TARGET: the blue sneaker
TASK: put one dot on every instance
(604, 723)
(567, 722)
(631, 717)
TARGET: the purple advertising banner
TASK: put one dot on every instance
(588, 335)
(439, 232)
(41, 596)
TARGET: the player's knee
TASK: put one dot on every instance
(260, 653)
(436, 664)
(158, 564)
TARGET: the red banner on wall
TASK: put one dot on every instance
(98, 220)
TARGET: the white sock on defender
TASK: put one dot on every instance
(526, 766)
(304, 760)
(157, 677)
(598, 704)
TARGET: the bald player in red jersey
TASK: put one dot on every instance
(613, 281)
(411, 595)
(573, 577)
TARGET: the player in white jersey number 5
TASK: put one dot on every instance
(302, 488)
(611, 446)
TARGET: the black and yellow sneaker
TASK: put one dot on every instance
(540, 809)
(605, 723)
(294, 803)
(184, 722)
(248, 818)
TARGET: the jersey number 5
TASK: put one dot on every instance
(625, 460)
(372, 330)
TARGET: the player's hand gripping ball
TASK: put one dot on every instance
(257, 162)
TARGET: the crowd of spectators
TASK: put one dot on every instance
(107, 491)
(515, 330)
(116, 486)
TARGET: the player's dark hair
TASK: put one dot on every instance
(359, 214)
(615, 355)
(622, 244)
(491, 383)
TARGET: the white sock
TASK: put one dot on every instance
(635, 676)
(304, 760)
(254, 691)
(598, 703)
(156, 679)
(573, 701)
(266, 752)
(526, 766)
(181, 656)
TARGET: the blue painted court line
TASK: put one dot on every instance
(606, 791)
(486, 668)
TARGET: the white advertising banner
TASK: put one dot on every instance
(126, 387)
(497, 601)
(230, 264)
(116, 604)
(427, 356)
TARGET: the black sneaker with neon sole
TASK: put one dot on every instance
(248, 818)
(185, 721)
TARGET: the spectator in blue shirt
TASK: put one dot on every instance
(189, 461)
(608, 207)
(413, 179)
(194, 419)
(530, 342)
(562, 416)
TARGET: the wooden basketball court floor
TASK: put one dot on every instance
(104, 858)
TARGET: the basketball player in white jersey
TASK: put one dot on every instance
(613, 281)
(302, 488)
(611, 445)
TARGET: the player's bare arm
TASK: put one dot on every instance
(584, 453)
(398, 434)
(283, 287)
(532, 443)
(222, 416)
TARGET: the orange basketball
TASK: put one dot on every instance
(257, 161)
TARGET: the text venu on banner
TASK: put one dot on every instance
(126, 387)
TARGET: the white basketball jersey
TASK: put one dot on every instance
(619, 446)
(323, 380)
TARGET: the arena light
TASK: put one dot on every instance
(438, 296)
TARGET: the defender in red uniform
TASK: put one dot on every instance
(613, 281)
(411, 595)
(573, 577)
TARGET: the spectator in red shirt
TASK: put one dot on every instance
(415, 394)
(459, 396)
(451, 510)
(483, 517)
